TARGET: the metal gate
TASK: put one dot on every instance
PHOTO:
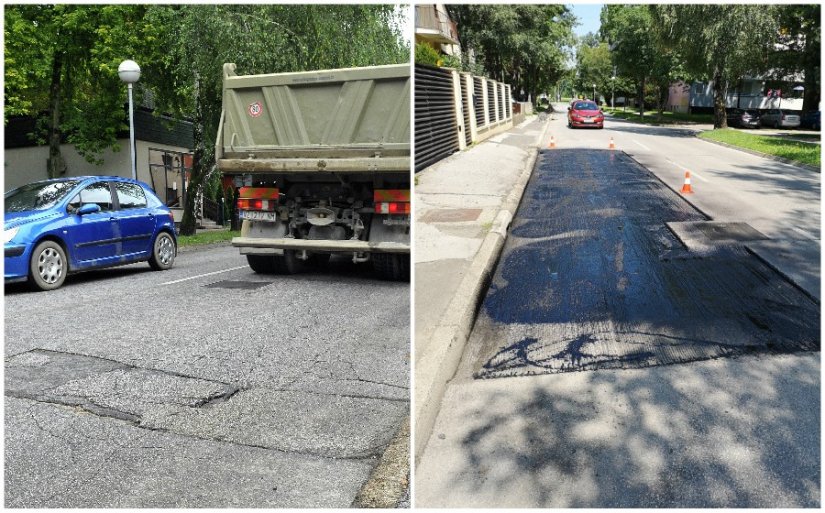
(436, 130)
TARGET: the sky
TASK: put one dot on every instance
(588, 16)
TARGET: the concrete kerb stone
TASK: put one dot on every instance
(435, 369)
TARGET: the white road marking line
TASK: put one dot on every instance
(692, 173)
(642, 145)
(203, 275)
(804, 233)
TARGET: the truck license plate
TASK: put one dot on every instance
(254, 215)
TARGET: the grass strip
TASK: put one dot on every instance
(805, 153)
(207, 237)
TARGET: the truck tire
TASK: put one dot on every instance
(289, 263)
(390, 266)
(262, 264)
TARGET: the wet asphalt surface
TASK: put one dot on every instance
(203, 386)
(591, 277)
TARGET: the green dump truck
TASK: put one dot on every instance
(321, 163)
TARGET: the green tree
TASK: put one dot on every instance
(639, 53)
(594, 67)
(525, 46)
(798, 49)
(720, 42)
(62, 59)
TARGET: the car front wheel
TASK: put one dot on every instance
(48, 266)
(163, 252)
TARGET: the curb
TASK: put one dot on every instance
(390, 479)
(453, 330)
(764, 155)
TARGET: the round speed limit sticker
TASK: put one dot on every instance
(255, 109)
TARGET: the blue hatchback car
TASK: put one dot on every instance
(66, 225)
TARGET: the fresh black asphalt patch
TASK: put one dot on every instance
(592, 278)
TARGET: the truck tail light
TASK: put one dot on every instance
(258, 198)
(256, 204)
(392, 207)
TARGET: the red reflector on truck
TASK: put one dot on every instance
(394, 207)
(391, 195)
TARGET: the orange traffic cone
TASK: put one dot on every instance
(552, 142)
(686, 187)
(612, 144)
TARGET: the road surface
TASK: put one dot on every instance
(203, 386)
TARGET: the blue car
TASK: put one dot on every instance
(56, 227)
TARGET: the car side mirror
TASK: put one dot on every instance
(88, 208)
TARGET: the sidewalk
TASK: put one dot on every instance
(463, 207)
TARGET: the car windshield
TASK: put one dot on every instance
(585, 106)
(37, 196)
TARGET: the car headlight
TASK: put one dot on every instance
(9, 234)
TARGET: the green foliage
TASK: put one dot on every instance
(720, 42)
(798, 48)
(426, 54)
(526, 46)
(451, 61)
(639, 52)
(68, 55)
(594, 67)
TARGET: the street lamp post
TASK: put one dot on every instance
(594, 94)
(613, 92)
(129, 72)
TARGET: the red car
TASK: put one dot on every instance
(584, 113)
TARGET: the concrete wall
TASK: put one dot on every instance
(24, 165)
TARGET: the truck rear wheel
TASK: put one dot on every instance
(262, 264)
(289, 263)
(391, 266)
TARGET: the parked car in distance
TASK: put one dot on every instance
(810, 120)
(584, 113)
(779, 118)
(744, 118)
(65, 225)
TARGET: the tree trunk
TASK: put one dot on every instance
(810, 99)
(188, 223)
(55, 165)
(642, 97)
(720, 93)
(660, 103)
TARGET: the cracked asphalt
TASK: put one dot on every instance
(203, 386)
